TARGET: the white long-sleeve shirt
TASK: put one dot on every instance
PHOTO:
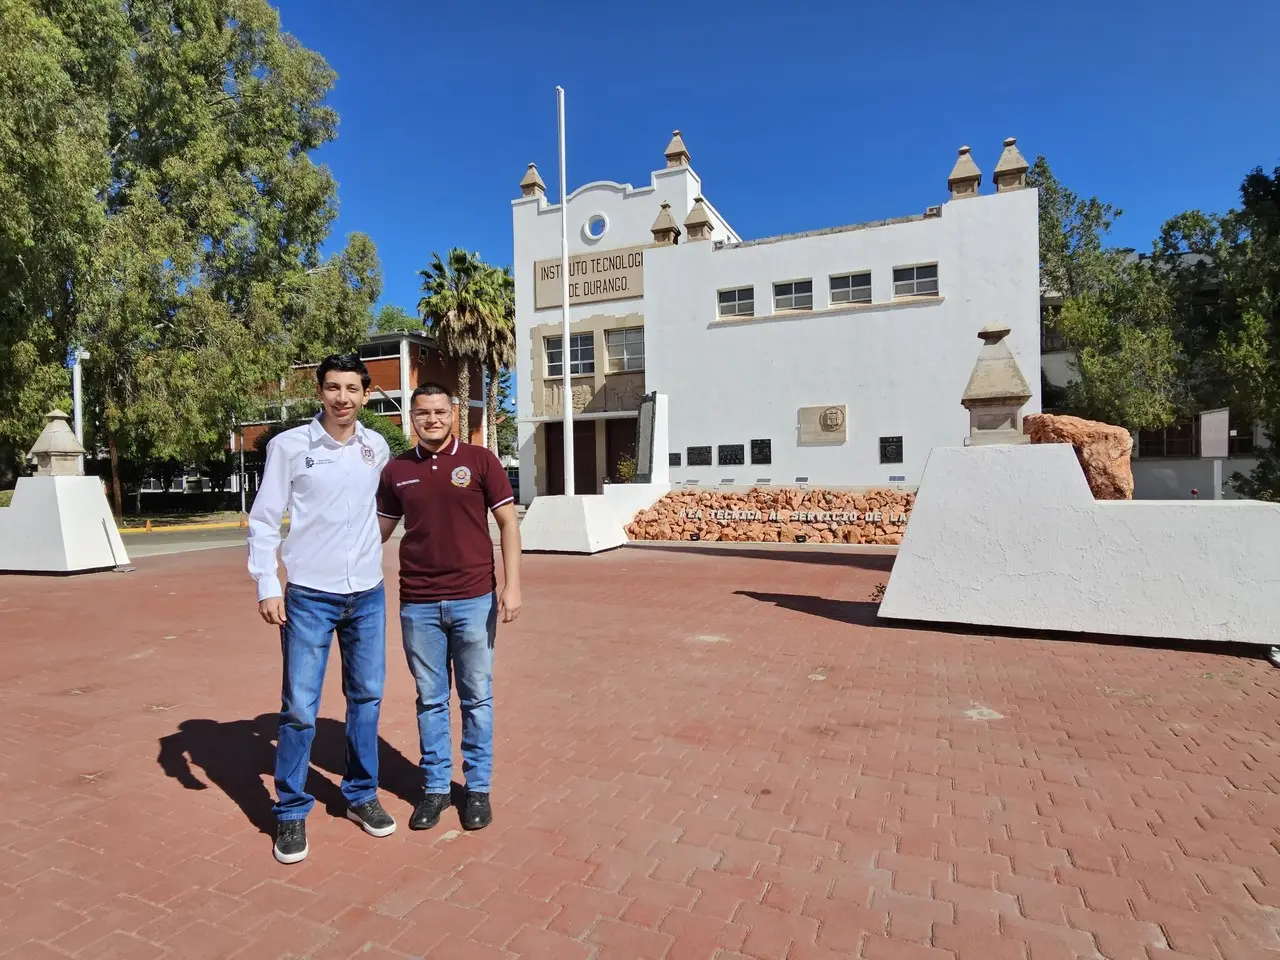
(334, 544)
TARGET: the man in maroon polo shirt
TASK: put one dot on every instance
(449, 605)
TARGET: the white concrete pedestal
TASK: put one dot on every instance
(59, 525)
(1010, 536)
(589, 523)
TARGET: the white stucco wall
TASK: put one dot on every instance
(1010, 536)
(899, 367)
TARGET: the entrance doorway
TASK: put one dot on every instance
(619, 442)
(584, 457)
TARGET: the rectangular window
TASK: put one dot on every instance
(915, 281)
(388, 350)
(730, 455)
(851, 288)
(582, 355)
(761, 452)
(890, 449)
(625, 349)
(793, 295)
(698, 456)
(1051, 341)
(738, 303)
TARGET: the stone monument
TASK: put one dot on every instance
(59, 520)
(996, 392)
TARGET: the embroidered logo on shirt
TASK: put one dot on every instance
(405, 483)
(309, 462)
(367, 454)
(461, 477)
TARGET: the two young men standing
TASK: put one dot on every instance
(345, 496)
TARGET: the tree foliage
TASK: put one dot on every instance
(159, 205)
(393, 319)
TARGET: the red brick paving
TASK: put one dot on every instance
(699, 756)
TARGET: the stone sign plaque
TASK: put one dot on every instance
(826, 424)
(644, 440)
(593, 277)
(731, 455)
(698, 456)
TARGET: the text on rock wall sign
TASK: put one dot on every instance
(793, 516)
(593, 277)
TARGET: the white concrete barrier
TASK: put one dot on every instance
(1010, 536)
(59, 525)
(589, 523)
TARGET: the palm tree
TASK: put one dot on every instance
(500, 343)
(456, 302)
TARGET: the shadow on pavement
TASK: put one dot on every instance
(859, 612)
(864, 613)
(830, 557)
(234, 755)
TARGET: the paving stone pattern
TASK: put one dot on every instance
(700, 754)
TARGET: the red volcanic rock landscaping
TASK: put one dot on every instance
(777, 516)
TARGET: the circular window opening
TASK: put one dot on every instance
(596, 226)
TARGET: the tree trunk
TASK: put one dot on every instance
(117, 494)
(491, 409)
(464, 400)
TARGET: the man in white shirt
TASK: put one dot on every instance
(326, 473)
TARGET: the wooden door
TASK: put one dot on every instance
(584, 457)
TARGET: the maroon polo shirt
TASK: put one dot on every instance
(445, 499)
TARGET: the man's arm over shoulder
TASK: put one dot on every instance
(266, 515)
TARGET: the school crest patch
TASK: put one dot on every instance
(461, 477)
(366, 454)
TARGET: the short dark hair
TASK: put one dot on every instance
(430, 389)
(343, 363)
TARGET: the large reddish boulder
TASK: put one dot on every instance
(1104, 451)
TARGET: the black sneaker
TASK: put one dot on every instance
(427, 813)
(291, 841)
(477, 814)
(372, 818)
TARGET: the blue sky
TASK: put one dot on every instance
(797, 116)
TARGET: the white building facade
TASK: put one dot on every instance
(835, 358)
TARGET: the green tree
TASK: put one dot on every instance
(393, 319)
(508, 434)
(170, 154)
(1114, 312)
(499, 349)
(457, 306)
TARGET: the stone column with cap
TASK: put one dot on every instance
(698, 224)
(57, 451)
(676, 153)
(996, 392)
(664, 228)
(531, 184)
(965, 176)
(1011, 170)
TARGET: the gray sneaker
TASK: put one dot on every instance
(291, 841)
(372, 818)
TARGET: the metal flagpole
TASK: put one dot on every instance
(564, 308)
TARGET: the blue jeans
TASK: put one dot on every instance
(360, 620)
(453, 638)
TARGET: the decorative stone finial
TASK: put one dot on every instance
(997, 390)
(664, 228)
(532, 185)
(965, 176)
(1011, 170)
(676, 153)
(57, 451)
(698, 224)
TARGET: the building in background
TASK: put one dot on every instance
(832, 358)
(398, 363)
